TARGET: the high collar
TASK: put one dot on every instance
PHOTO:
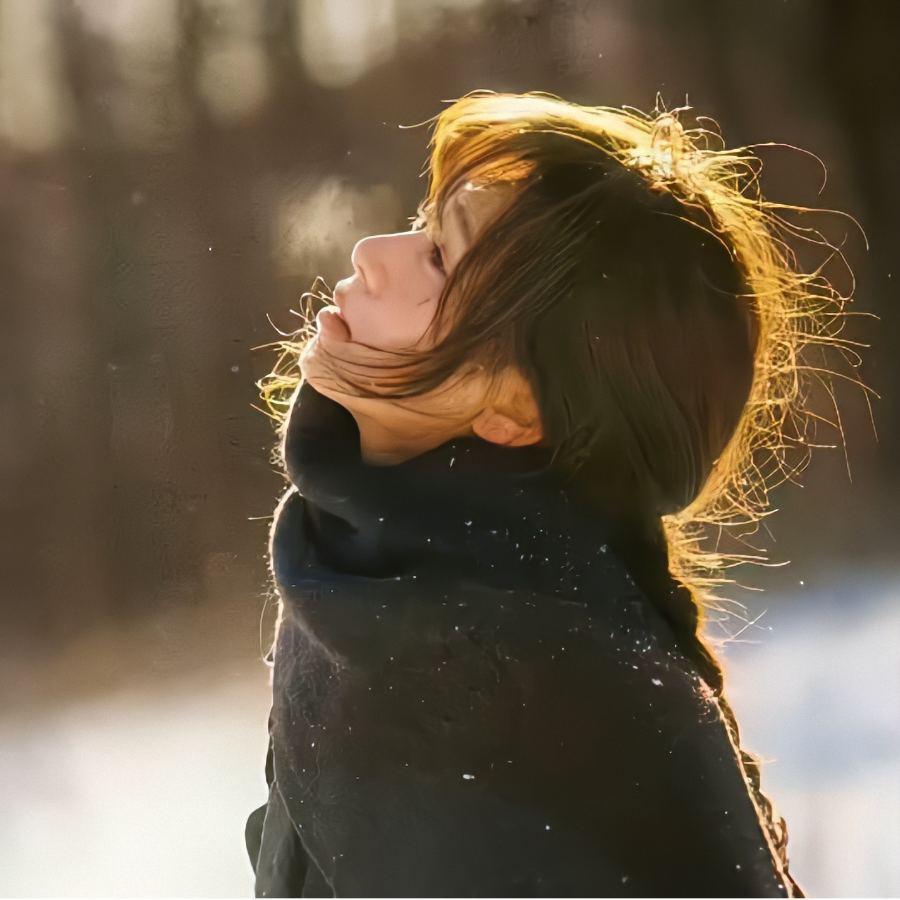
(469, 508)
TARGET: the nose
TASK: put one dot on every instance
(365, 259)
(376, 258)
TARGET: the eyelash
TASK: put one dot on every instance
(437, 258)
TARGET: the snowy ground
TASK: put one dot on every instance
(141, 793)
(144, 790)
(820, 697)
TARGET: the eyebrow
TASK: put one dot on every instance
(460, 213)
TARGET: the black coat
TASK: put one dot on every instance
(472, 696)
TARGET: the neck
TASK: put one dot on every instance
(382, 445)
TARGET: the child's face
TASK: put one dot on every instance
(391, 299)
(386, 307)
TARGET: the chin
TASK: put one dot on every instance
(311, 365)
(308, 350)
(318, 370)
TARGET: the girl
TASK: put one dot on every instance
(488, 676)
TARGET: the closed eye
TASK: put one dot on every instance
(438, 258)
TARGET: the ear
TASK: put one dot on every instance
(497, 428)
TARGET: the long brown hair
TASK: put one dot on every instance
(644, 287)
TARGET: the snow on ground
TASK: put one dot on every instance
(140, 793)
(820, 698)
(144, 790)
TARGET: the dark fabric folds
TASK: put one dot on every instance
(474, 696)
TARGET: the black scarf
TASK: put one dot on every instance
(475, 510)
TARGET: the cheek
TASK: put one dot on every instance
(391, 325)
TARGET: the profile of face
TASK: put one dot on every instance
(386, 309)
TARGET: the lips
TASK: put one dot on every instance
(332, 325)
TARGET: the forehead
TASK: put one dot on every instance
(469, 207)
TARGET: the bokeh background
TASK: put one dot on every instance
(173, 175)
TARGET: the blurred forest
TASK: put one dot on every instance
(174, 174)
